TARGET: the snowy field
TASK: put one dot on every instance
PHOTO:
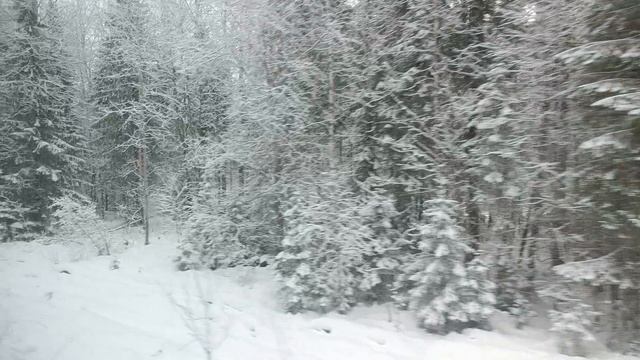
(54, 308)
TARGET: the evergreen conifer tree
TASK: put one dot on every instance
(447, 292)
(605, 68)
(38, 121)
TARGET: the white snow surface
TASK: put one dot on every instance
(51, 308)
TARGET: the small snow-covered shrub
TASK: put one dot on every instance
(574, 326)
(321, 265)
(337, 248)
(383, 259)
(214, 238)
(77, 222)
(594, 297)
(446, 292)
(12, 223)
(572, 319)
(233, 229)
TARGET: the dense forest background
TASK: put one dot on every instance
(451, 157)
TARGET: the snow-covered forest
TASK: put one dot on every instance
(450, 179)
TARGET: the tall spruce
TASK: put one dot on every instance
(605, 67)
(38, 121)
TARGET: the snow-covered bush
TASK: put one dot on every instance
(337, 250)
(12, 222)
(223, 235)
(77, 222)
(591, 299)
(322, 262)
(446, 292)
(382, 261)
(227, 226)
(213, 238)
(574, 325)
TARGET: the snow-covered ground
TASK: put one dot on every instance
(52, 308)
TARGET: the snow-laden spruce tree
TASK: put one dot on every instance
(417, 61)
(446, 292)
(523, 187)
(36, 114)
(214, 237)
(382, 260)
(574, 326)
(321, 262)
(572, 318)
(331, 258)
(604, 64)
